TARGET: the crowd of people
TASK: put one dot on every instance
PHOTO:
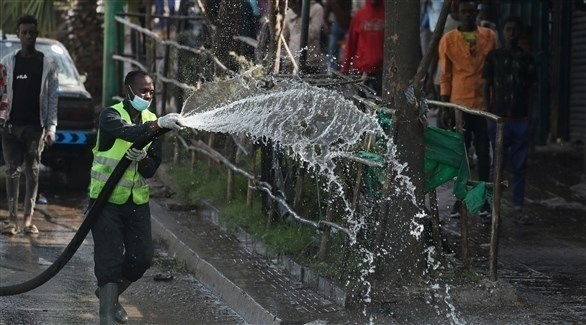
(473, 67)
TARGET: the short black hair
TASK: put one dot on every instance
(26, 19)
(513, 19)
(132, 75)
(471, 2)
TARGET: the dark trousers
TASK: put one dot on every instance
(123, 245)
(376, 82)
(515, 150)
(21, 148)
(476, 130)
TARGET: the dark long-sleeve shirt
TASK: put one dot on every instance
(112, 127)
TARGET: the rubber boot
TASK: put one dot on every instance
(108, 301)
(120, 314)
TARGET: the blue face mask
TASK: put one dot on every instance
(139, 103)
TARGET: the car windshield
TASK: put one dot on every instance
(66, 71)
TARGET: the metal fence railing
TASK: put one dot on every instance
(206, 144)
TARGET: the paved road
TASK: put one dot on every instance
(68, 297)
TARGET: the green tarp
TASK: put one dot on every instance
(445, 160)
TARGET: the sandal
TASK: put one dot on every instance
(32, 229)
(11, 229)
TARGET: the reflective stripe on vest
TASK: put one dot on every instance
(131, 182)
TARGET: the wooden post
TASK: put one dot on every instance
(299, 185)
(464, 235)
(271, 213)
(250, 192)
(323, 247)
(496, 204)
(193, 156)
(230, 181)
(211, 137)
(165, 74)
(175, 151)
(435, 222)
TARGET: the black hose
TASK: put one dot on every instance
(92, 213)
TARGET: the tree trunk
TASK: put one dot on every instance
(403, 259)
(85, 43)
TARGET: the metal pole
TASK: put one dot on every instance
(304, 34)
(165, 74)
(435, 221)
(323, 247)
(496, 204)
(111, 79)
(464, 235)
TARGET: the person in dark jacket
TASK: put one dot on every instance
(122, 232)
(508, 76)
(30, 120)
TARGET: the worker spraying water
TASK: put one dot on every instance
(317, 124)
(123, 248)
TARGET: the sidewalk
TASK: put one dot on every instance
(540, 267)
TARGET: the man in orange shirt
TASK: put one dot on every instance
(461, 53)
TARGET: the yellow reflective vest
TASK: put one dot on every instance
(131, 183)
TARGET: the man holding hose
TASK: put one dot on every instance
(123, 247)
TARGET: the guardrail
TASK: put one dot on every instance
(496, 203)
(369, 103)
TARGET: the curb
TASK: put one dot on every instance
(300, 273)
(176, 239)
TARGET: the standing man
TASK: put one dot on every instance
(292, 33)
(508, 77)
(341, 12)
(122, 233)
(462, 53)
(31, 120)
(364, 49)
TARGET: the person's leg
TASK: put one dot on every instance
(137, 241)
(481, 146)
(519, 151)
(506, 146)
(108, 259)
(108, 236)
(33, 139)
(171, 4)
(336, 35)
(13, 153)
(159, 11)
(492, 139)
(478, 126)
(375, 82)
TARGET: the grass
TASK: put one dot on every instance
(191, 186)
(292, 239)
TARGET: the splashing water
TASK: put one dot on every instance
(315, 124)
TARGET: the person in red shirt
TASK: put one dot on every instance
(365, 44)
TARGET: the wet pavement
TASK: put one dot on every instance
(540, 267)
(68, 298)
(544, 261)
